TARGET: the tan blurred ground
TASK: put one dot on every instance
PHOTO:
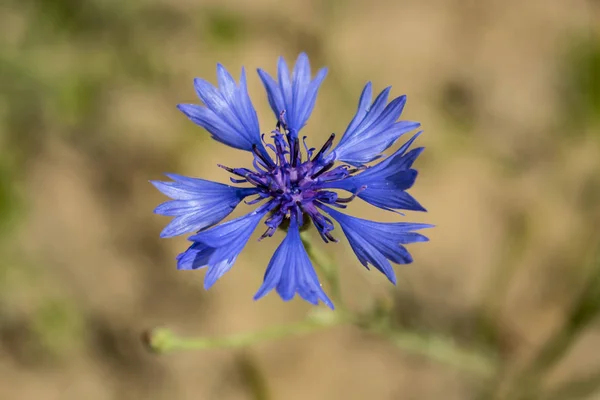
(508, 179)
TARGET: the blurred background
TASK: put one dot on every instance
(508, 93)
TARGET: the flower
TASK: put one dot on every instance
(293, 182)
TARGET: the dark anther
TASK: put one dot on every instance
(281, 122)
(326, 236)
(227, 169)
(326, 168)
(295, 152)
(243, 172)
(353, 170)
(345, 199)
(268, 163)
(268, 233)
(254, 201)
(330, 237)
(252, 179)
(325, 147)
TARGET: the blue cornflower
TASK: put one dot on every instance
(294, 182)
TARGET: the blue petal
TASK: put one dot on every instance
(384, 185)
(198, 204)
(373, 129)
(391, 200)
(228, 113)
(378, 243)
(196, 256)
(291, 272)
(219, 247)
(296, 95)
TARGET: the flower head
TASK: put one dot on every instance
(293, 182)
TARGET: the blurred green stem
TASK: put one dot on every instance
(163, 340)
(327, 268)
(434, 347)
(441, 349)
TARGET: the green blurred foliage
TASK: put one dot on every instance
(225, 27)
(582, 82)
(76, 99)
(58, 326)
(9, 200)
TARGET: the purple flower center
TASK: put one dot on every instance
(294, 185)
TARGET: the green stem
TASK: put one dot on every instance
(163, 340)
(441, 349)
(436, 348)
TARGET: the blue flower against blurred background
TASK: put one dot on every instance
(293, 182)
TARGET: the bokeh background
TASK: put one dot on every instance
(509, 96)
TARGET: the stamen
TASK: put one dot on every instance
(268, 163)
(326, 196)
(230, 170)
(258, 166)
(268, 233)
(281, 122)
(342, 206)
(338, 173)
(268, 145)
(330, 237)
(325, 147)
(258, 199)
(243, 172)
(280, 149)
(358, 169)
(323, 224)
(253, 180)
(322, 170)
(273, 223)
(309, 151)
(349, 199)
(295, 154)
